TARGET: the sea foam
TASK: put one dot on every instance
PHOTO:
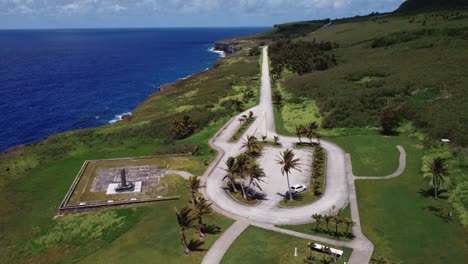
(221, 53)
(119, 117)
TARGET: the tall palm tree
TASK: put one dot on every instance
(242, 163)
(256, 174)
(311, 247)
(251, 144)
(185, 221)
(349, 223)
(327, 219)
(337, 220)
(311, 130)
(325, 251)
(300, 131)
(231, 169)
(288, 162)
(438, 169)
(194, 185)
(202, 208)
(318, 219)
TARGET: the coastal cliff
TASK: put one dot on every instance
(227, 47)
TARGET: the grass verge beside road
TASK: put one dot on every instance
(256, 245)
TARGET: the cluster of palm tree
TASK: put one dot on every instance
(183, 127)
(252, 145)
(310, 131)
(333, 217)
(318, 166)
(246, 170)
(192, 216)
(288, 162)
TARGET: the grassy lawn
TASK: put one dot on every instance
(156, 238)
(371, 153)
(300, 199)
(322, 228)
(404, 222)
(256, 245)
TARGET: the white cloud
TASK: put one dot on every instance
(254, 7)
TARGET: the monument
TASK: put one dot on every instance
(124, 186)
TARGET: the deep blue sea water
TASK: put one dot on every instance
(57, 80)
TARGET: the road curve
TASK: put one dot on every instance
(336, 192)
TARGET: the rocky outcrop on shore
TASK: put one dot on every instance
(227, 47)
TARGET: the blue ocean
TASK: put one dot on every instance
(57, 80)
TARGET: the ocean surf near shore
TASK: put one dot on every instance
(59, 80)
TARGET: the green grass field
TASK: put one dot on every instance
(256, 245)
(403, 220)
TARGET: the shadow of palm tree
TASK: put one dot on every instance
(430, 193)
(439, 212)
(211, 229)
(195, 245)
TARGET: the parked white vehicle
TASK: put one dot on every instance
(298, 188)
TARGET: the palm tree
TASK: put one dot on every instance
(276, 139)
(337, 220)
(300, 130)
(242, 162)
(251, 144)
(288, 163)
(194, 185)
(185, 221)
(438, 169)
(256, 174)
(311, 246)
(327, 218)
(311, 130)
(277, 99)
(318, 219)
(231, 169)
(202, 208)
(349, 223)
(325, 251)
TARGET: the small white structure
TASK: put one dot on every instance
(334, 251)
(112, 186)
(446, 140)
(83, 203)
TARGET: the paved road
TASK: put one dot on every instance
(269, 212)
(339, 187)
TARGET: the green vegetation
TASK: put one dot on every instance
(418, 221)
(256, 245)
(246, 122)
(36, 177)
(371, 153)
(319, 228)
(419, 69)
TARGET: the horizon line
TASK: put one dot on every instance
(100, 28)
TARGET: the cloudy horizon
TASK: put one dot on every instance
(31, 14)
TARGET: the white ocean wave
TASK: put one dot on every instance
(221, 53)
(119, 117)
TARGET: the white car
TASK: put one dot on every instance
(298, 188)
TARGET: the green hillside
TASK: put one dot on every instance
(418, 5)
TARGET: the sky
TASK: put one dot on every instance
(16, 14)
